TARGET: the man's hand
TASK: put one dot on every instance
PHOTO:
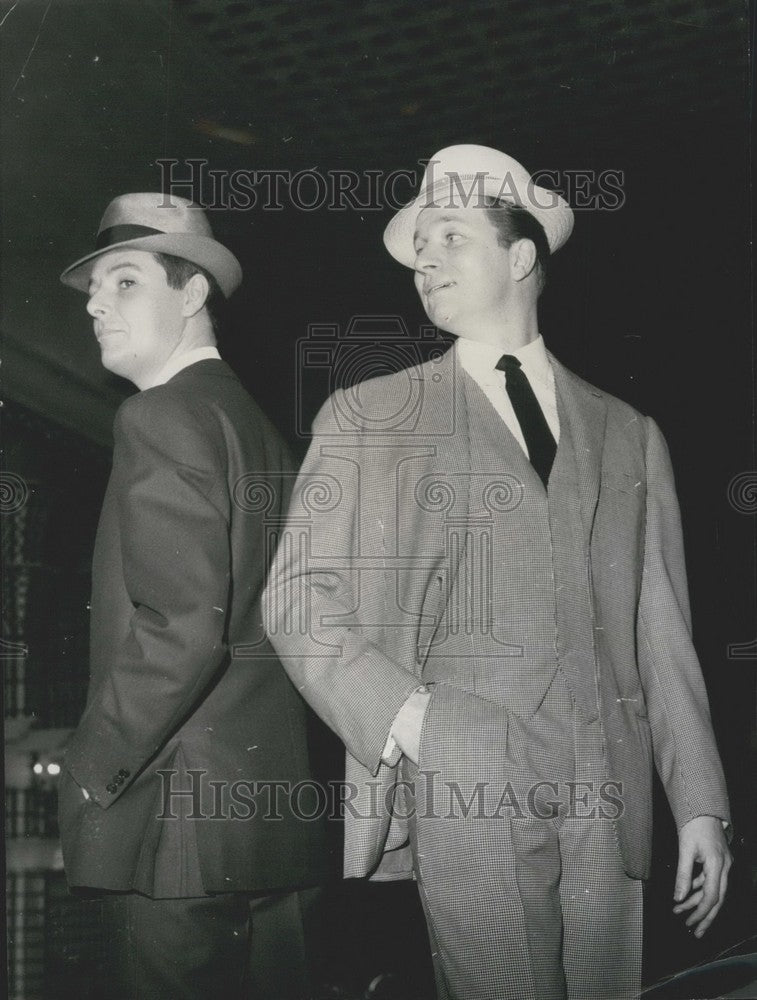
(701, 840)
(406, 730)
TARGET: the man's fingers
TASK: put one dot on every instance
(713, 894)
(724, 876)
(689, 904)
(683, 876)
(707, 920)
(710, 897)
(721, 898)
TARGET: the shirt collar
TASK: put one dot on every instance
(178, 362)
(480, 360)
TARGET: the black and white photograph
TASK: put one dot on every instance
(379, 499)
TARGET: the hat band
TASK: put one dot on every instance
(119, 234)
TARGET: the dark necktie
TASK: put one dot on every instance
(539, 440)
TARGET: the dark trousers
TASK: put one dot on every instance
(234, 946)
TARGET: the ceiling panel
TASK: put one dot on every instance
(94, 93)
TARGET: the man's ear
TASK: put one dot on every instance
(522, 258)
(196, 293)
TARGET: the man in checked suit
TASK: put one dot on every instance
(165, 804)
(482, 591)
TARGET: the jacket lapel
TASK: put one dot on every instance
(444, 397)
(585, 410)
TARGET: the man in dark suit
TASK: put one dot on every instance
(166, 799)
(483, 592)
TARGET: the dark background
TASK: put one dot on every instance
(652, 301)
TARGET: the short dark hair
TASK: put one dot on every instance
(513, 222)
(179, 271)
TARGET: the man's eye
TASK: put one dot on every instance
(126, 282)
(452, 237)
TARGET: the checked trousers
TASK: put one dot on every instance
(525, 896)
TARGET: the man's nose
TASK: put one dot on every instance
(96, 305)
(426, 259)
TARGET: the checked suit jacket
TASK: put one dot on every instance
(360, 588)
(182, 677)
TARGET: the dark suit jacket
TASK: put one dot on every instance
(375, 577)
(182, 677)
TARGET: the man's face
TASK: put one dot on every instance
(461, 272)
(138, 317)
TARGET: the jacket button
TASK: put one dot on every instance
(112, 788)
(119, 779)
(124, 773)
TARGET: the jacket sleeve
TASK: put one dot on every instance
(684, 744)
(173, 529)
(313, 613)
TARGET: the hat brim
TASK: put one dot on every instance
(207, 253)
(548, 207)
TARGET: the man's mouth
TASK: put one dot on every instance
(438, 287)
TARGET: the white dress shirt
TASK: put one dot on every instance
(480, 362)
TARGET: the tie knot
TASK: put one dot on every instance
(508, 363)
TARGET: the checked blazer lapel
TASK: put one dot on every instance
(449, 474)
(584, 408)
